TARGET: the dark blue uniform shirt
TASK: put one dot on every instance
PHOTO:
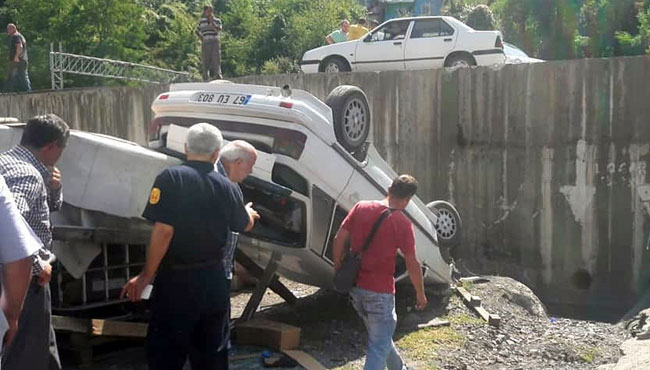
(202, 205)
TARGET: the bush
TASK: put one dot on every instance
(481, 18)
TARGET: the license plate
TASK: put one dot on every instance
(218, 98)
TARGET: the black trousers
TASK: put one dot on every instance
(189, 315)
(34, 347)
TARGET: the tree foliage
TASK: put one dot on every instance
(270, 36)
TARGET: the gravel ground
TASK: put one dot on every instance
(527, 338)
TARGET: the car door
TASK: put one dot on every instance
(429, 42)
(383, 49)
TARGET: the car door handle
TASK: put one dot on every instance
(448, 40)
(397, 43)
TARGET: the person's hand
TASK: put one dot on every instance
(133, 289)
(16, 60)
(421, 301)
(55, 181)
(45, 275)
(11, 333)
(251, 212)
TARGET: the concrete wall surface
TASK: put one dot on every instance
(546, 162)
(121, 111)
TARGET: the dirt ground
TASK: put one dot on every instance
(526, 339)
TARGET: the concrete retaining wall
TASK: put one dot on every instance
(122, 111)
(546, 163)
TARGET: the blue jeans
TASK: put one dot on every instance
(378, 313)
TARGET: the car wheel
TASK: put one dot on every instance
(449, 225)
(335, 65)
(460, 61)
(351, 114)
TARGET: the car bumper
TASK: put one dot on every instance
(488, 57)
(309, 66)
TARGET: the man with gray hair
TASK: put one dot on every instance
(236, 162)
(194, 209)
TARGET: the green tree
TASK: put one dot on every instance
(543, 28)
(640, 43)
(481, 18)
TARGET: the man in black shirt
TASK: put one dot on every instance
(193, 208)
(17, 77)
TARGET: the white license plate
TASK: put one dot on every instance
(218, 98)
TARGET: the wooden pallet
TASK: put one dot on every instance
(84, 338)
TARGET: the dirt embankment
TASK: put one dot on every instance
(526, 339)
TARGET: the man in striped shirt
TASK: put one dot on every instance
(208, 31)
(34, 182)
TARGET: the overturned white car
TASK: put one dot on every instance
(314, 163)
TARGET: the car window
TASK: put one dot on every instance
(322, 207)
(445, 29)
(391, 31)
(431, 28)
(339, 216)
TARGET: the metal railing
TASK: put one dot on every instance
(61, 63)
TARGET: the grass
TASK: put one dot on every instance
(588, 354)
(422, 345)
(463, 318)
(467, 285)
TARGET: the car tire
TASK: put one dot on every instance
(449, 225)
(351, 113)
(460, 61)
(335, 65)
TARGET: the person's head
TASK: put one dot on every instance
(402, 189)
(203, 143)
(238, 158)
(11, 29)
(345, 25)
(46, 136)
(374, 24)
(208, 10)
(362, 21)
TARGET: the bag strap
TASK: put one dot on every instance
(381, 218)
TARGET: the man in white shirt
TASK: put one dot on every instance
(17, 244)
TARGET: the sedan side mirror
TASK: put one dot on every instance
(368, 38)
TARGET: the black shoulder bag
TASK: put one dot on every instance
(345, 278)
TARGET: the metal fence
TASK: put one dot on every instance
(61, 63)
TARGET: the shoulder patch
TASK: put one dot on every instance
(154, 198)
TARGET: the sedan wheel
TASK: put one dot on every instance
(351, 114)
(332, 67)
(355, 119)
(448, 225)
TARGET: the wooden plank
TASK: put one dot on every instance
(119, 328)
(483, 313)
(471, 300)
(276, 286)
(492, 319)
(434, 323)
(305, 360)
(71, 324)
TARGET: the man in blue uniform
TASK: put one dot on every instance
(193, 208)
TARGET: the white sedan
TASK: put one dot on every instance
(409, 44)
(514, 55)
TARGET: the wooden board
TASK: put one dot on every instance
(98, 327)
(305, 360)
